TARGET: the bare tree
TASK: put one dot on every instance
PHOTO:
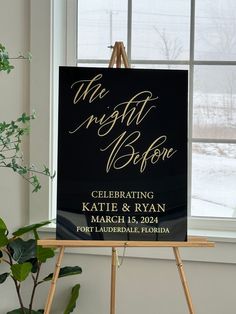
(170, 48)
(223, 21)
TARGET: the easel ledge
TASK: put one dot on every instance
(192, 242)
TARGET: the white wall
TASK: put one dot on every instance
(14, 100)
(143, 285)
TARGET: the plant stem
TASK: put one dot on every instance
(9, 261)
(35, 280)
(19, 295)
(16, 284)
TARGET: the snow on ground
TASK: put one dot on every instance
(214, 165)
(214, 181)
(214, 116)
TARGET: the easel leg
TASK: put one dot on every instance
(183, 279)
(113, 282)
(54, 281)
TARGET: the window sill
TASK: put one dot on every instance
(224, 251)
(215, 235)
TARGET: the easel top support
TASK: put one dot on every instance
(119, 55)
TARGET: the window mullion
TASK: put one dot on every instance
(213, 140)
(137, 61)
(190, 113)
(214, 62)
(129, 29)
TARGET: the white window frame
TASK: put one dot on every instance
(50, 47)
(53, 33)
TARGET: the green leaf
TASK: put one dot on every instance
(3, 277)
(21, 271)
(44, 253)
(4, 60)
(24, 118)
(3, 227)
(21, 250)
(35, 265)
(35, 183)
(72, 302)
(17, 311)
(46, 171)
(29, 228)
(26, 311)
(3, 233)
(3, 240)
(65, 271)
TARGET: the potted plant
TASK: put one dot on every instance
(19, 250)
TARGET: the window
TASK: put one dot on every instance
(199, 35)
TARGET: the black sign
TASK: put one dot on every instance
(122, 154)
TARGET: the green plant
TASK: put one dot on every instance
(11, 135)
(25, 259)
(20, 252)
(4, 60)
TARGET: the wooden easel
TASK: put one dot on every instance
(62, 244)
(119, 56)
